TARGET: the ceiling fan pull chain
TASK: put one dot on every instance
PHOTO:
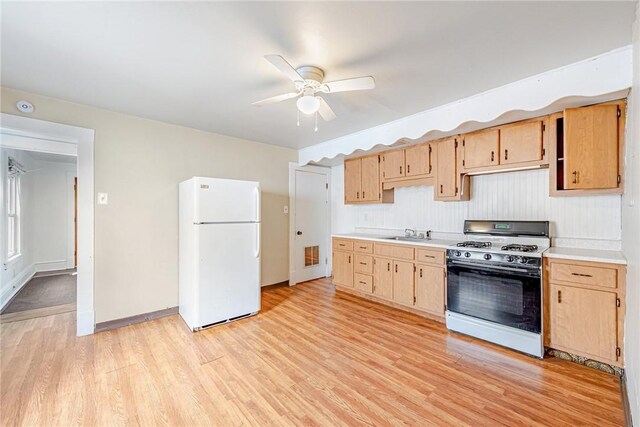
(298, 118)
(316, 129)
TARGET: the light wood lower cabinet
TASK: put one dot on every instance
(343, 268)
(430, 288)
(404, 276)
(403, 282)
(584, 309)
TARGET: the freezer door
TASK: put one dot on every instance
(226, 200)
(228, 271)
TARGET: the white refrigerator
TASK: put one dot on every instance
(219, 254)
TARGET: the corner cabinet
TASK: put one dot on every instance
(585, 309)
(362, 181)
(588, 144)
(450, 184)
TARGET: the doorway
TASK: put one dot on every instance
(48, 138)
(309, 223)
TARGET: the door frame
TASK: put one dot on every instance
(25, 133)
(293, 167)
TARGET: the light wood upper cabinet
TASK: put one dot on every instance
(418, 160)
(521, 143)
(343, 268)
(383, 277)
(370, 186)
(430, 289)
(446, 169)
(584, 320)
(352, 180)
(403, 282)
(481, 149)
(393, 164)
(591, 147)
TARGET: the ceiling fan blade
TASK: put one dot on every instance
(325, 111)
(285, 68)
(275, 99)
(356, 83)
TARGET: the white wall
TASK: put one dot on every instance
(16, 273)
(631, 236)
(515, 195)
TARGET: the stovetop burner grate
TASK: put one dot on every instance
(474, 244)
(520, 248)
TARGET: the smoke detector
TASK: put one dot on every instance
(25, 106)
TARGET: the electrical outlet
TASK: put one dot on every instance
(286, 209)
(103, 198)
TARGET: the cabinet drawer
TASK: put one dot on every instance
(584, 274)
(363, 282)
(342, 245)
(430, 256)
(398, 252)
(364, 264)
(363, 247)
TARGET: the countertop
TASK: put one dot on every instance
(593, 255)
(433, 243)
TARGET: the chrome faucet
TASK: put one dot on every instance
(409, 232)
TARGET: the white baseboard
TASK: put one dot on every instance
(85, 323)
(51, 265)
(14, 286)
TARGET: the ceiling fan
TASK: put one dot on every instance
(308, 82)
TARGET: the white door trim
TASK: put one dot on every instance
(293, 167)
(30, 134)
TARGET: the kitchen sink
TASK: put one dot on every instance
(407, 238)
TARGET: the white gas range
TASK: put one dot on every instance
(494, 283)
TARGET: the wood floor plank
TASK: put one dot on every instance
(310, 357)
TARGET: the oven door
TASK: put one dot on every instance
(509, 296)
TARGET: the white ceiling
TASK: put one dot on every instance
(200, 64)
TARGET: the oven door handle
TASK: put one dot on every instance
(530, 271)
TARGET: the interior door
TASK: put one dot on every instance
(370, 178)
(430, 289)
(352, 180)
(591, 147)
(393, 164)
(403, 282)
(311, 230)
(383, 277)
(584, 320)
(481, 149)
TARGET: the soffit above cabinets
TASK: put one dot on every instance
(201, 65)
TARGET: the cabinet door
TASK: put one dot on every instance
(481, 149)
(403, 282)
(418, 160)
(343, 268)
(383, 277)
(591, 147)
(370, 179)
(521, 143)
(352, 180)
(584, 320)
(430, 289)
(393, 164)
(446, 168)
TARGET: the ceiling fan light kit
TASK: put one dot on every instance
(308, 82)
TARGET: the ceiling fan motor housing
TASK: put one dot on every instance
(311, 74)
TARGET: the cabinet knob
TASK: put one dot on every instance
(506, 154)
(492, 156)
(396, 268)
(440, 188)
(559, 296)
(575, 177)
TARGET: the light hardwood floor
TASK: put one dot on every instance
(311, 357)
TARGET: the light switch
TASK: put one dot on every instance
(103, 198)
(286, 209)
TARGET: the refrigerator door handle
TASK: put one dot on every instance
(257, 251)
(257, 191)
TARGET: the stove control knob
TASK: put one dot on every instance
(467, 254)
(523, 260)
(487, 256)
(457, 253)
(510, 258)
